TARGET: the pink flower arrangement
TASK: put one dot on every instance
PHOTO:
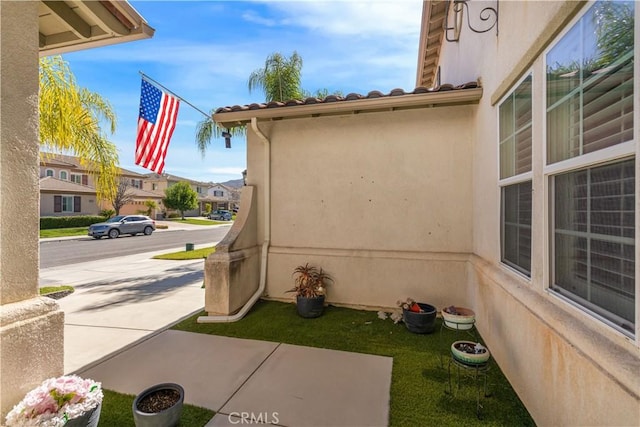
(56, 401)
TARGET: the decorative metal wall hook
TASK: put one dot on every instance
(486, 14)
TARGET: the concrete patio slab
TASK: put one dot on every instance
(210, 368)
(304, 386)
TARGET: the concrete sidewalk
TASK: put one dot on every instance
(116, 332)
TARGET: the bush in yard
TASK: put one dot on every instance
(53, 222)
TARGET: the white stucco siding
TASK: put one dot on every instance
(348, 182)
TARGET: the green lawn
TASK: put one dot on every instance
(117, 411)
(64, 232)
(185, 255)
(419, 380)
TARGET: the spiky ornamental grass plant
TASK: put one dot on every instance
(310, 282)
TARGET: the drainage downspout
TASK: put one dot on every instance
(267, 236)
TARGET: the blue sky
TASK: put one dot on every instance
(204, 51)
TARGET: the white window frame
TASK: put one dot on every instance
(515, 179)
(66, 175)
(53, 173)
(618, 152)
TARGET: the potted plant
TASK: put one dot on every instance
(310, 289)
(459, 318)
(470, 353)
(158, 406)
(419, 318)
(68, 401)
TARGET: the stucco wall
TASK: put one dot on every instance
(87, 204)
(382, 201)
(568, 367)
(31, 328)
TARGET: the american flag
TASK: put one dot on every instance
(157, 120)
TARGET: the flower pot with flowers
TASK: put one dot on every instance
(310, 289)
(418, 317)
(68, 401)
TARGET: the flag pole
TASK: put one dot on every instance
(150, 80)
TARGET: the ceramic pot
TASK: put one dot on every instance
(88, 419)
(468, 357)
(167, 418)
(463, 319)
(423, 322)
(310, 307)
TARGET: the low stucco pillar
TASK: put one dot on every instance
(31, 327)
(232, 272)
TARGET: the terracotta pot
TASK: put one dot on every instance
(462, 320)
(469, 358)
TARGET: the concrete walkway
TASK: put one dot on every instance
(116, 332)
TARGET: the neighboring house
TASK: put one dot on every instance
(221, 197)
(65, 198)
(68, 188)
(158, 183)
(139, 196)
(34, 326)
(514, 194)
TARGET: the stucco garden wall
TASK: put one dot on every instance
(568, 367)
(381, 201)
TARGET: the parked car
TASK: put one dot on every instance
(220, 215)
(123, 224)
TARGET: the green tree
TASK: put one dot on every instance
(71, 119)
(181, 197)
(280, 79)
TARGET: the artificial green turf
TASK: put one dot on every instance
(185, 255)
(419, 380)
(117, 411)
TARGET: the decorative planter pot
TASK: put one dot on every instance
(423, 322)
(310, 307)
(88, 419)
(465, 352)
(461, 319)
(168, 417)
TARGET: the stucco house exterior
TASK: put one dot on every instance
(218, 195)
(67, 188)
(32, 327)
(516, 187)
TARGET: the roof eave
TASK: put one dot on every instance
(389, 103)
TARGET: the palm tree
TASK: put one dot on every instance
(70, 121)
(280, 81)
(280, 77)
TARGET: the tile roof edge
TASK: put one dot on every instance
(445, 94)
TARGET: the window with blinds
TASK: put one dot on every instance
(515, 131)
(594, 230)
(590, 83)
(516, 226)
(515, 115)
